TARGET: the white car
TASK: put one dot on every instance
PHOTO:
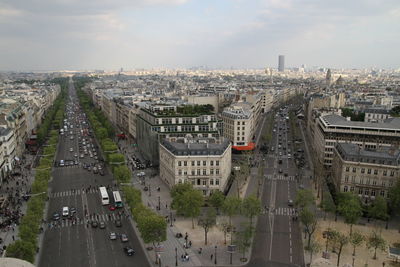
(65, 211)
(71, 150)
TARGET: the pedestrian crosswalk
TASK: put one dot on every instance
(83, 221)
(74, 192)
(285, 211)
(280, 177)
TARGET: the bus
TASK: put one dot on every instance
(104, 196)
(117, 200)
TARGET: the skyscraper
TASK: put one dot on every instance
(281, 66)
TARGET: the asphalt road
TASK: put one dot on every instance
(277, 240)
(69, 244)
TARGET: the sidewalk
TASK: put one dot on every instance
(16, 186)
(153, 198)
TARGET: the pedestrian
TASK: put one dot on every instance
(13, 237)
(211, 257)
(166, 205)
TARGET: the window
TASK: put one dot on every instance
(361, 180)
(238, 123)
(390, 183)
(204, 172)
(193, 172)
(374, 182)
(376, 172)
(217, 163)
(347, 169)
(345, 189)
(391, 173)
(185, 163)
(179, 172)
(179, 163)
(366, 192)
(362, 170)
(216, 181)
(216, 171)
(211, 171)
(373, 193)
(198, 172)
(360, 191)
(385, 173)
(369, 171)
(242, 128)
(383, 183)
(211, 163)
(204, 163)
(204, 182)
(198, 163)
(354, 169)
(211, 181)
(346, 178)
(382, 193)
(238, 128)
(352, 189)
(198, 181)
(243, 123)
(193, 162)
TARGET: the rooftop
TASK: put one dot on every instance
(333, 120)
(197, 146)
(352, 152)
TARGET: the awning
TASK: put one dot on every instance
(250, 146)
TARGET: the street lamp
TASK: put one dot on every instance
(176, 256)
(159, 203)
(215, 259)
(170, 219)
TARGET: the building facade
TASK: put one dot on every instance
(366, 173)
(203, 162)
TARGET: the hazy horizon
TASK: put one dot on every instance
(54, 35)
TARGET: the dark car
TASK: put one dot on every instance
(94, 224)
(118, 223)
(129, 251)
(56, 216)
(72, 211)
(124, 238)
(101, 172)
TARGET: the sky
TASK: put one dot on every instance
(131, 34)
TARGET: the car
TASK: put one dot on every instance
(71, 149)
(113, 236)
(118, 223)
(72, 210)
(290, 203)
(94, 224)
(101, 172)
(286, 174)
(129, 251)
(280, 171)
(102, 225)
(111, 207)
(124, 238)
(72, 138)
(56, 216)
(76, 155)
(65, 211)
(76, 162)
(95, 170)
(62, 163)
(89, 168)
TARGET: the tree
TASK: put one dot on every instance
(243, 239)
(376, 241)
(177, 192)
(309, 221)
(116, 159)
(395, 197)
(329, 235)
(328, 205)
(224, 226)
(350, 208)
(21, 250)
(341, 240)
(190, 204)
(251, 206)
(231, 207)
(101, 133)
(356, 240)
(207, 221)
(378, 209)
(217, 199)
(122, 174)
(313, 248)
(304, 198)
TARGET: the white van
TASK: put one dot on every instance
(65, 211)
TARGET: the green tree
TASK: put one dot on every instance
(341, 240)
(243, 239)
(22, 250)
(189, 203)
(309, 220)
(101, 133)
(153, 228)
(378, 209)
(329, 236)
(122, 174)
(304, 198)
(217, 200)
(350, 208)
(207, 221)
(177, 192)
(356, 240)
(116, 159)
(376, 242)
(251, 207)
(313, 248)
(328, 205)
(231, 207)
(394, 193)
(395, 112)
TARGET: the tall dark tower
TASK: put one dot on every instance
(281, 66)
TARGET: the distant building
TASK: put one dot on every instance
(364, 172)
(203, 162)
(281, 64)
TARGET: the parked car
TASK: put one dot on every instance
(129, 251)
(113, 236)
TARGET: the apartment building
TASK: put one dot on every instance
(156, 121)
(203, 162)
(376, 115)
(365, 172)
(333, 129)
(7, 138)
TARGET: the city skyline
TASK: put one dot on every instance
(72, 35)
